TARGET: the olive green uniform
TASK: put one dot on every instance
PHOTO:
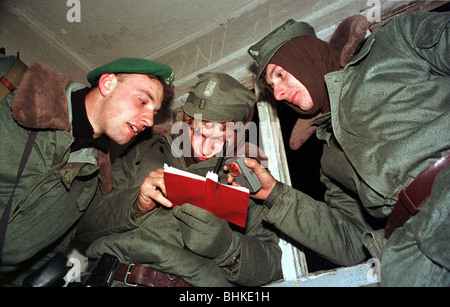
(153, 239)
(56, 186)
(389, 121)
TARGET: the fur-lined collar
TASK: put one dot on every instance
(40, 101)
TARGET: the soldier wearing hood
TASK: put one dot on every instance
(380, 104)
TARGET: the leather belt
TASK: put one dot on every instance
(9, 81)
(412, 197)
(138, 275)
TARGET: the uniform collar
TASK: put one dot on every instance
(362, 50)
(40, 101)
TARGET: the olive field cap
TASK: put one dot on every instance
(133, 66)
(219, 97)
(264, 50)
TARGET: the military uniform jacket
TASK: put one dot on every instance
(389, 121)
(56, 186)
(153, 239)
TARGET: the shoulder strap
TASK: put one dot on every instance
(6, 213)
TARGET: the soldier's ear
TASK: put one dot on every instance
(106, 83)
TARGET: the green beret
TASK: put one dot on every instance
(133, 66)
(219, 97)
(264, 50)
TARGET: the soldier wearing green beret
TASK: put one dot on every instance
(69, 127)
(381, 106)
(136, 223)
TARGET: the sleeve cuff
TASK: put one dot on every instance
(273, 197)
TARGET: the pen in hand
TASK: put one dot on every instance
(219, 164)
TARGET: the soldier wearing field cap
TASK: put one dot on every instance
(208, 95)
(63, 130)
(381, 106)
(136, 223)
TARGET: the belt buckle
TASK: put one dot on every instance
(125, 280)
(171, 277)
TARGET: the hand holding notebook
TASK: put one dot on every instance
(225, 201)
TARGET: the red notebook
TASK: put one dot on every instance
(225, 201)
